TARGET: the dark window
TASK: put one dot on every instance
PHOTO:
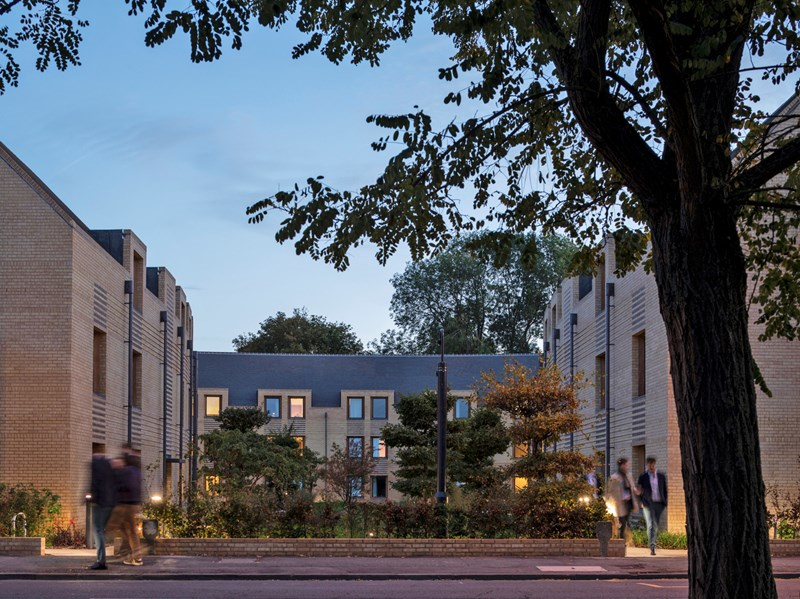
(380, 408)
(584, 286)
(379, 487)
(99, 363)
(639, 365)
(137, 380)
(138, 281)
(272, 405)
(600, 290)
(355, 408)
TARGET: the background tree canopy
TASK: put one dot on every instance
(300, 334)
(487, 303)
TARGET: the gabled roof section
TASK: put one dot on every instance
(42, 190)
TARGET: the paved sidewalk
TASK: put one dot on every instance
(71, 564)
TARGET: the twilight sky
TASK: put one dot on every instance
(143, 139)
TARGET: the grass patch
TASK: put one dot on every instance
(665, 540)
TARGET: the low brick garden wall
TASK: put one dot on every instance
(785, 547)
(387, 547)
(22, 546)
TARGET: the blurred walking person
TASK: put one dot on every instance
(103, 498)
(622, 495)
(129, 504)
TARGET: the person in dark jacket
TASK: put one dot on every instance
(103, 498)
(129, 502)
(652, 487)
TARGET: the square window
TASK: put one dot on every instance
(379, 487)
(520, 450)
(213, 405)
(355, 408)
(380, 408)
(462, 409)
(272, 405)
(520, 483)
(356, 486)
(297, 407)
(378, 448)
(355, 447)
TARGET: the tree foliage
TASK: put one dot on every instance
(472, 444)
(300, 333)
(488, 302)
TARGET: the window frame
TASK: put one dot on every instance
(289, 406)
(385, 480)
(277, 416)
(218, 397)
(350, 439)
(466, 401)
(350, 402)
(381, 445)
(385, 400)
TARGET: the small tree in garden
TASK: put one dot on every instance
(472, 444)
(256, 475)
(345, 474)
(542, 408)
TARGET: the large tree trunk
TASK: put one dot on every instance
(702, 279)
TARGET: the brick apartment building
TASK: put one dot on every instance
(632, 412)
(71, 299)
(341, 399)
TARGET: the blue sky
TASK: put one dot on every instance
(141, 138)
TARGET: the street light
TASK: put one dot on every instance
(441, 439)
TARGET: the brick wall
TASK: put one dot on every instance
(785, 547)
(387, 547)
(27, 546)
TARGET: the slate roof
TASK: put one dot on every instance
(327, 375)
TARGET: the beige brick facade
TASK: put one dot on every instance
(643, 424)
(64, 344)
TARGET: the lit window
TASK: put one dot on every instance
(213, 405)
(297, 407)
(355, 408)
(380, 408)
(301, 443)
(378, 448)
(272, 405)
(356, 486)
(520, 450)
(212, 484)
(520, 483)
(379, 487)
(462, 408)
(355, 447)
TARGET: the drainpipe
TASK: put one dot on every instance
(164, 407)
(609, 295)
(556, 337)
(193, 425)
(181, 418)
(129, 293)
(573, 322)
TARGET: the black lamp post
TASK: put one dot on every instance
(441, 439)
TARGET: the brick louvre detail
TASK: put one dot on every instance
(387, 547)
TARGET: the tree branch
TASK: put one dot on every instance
(778, 161)
(639, 98)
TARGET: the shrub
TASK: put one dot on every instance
(40, 506)
(65, 536)
(539, 513)
(410, 519)
(664, 540)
